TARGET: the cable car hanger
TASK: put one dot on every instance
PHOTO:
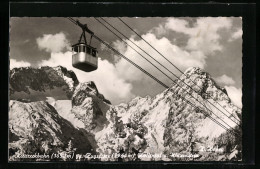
(84, 56)
(84, 28)
(230, 130)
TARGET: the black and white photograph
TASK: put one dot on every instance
(125, 89)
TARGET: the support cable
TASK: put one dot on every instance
(161, 83)
(181, 72)
(163, 72)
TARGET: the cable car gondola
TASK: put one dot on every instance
(84, 56)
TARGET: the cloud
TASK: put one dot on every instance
(179, 25)
(122, 75)
(26, 41)
(203, 40)
(204, 35)
(53, 43)
(160, 30)
(181, 58)
(14, 63)
(236, 35)
(235, 94)
(104, 47)
(224, 79)
(105, 77)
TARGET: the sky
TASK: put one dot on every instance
(211, 43)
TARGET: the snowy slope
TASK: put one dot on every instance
(167, 122)
(163, 124)
(32, 84)
(36, 127)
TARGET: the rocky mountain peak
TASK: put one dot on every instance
(165, 123)
(194, 74)
(84, 90)
(194, 70)
(38, 83)
(202, 82)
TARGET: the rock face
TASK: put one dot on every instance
(36, 127)
(179, 120)
(89, 106)
(29, 84)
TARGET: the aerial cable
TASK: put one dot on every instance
(162, 71)
(161, 83)
(178, 70)
(211, 109)
(164, 85)
(133, 49)
(72, 20)
(140, 68)
(137, 66)
(172, 64)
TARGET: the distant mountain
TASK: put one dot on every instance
(37, 84)
(50, 111)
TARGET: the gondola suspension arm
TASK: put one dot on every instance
(84, 28)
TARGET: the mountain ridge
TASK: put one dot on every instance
(164, 123)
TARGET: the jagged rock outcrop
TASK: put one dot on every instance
(36, 127)
(168, 124)
(89, 106)
(178, 120)
(187, 126)
(31, 84)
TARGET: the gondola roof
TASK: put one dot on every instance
(83, 44)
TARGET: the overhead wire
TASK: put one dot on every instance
(72, 20)
(178, 70)
(159, 69)
(164, 85)
(160, 82)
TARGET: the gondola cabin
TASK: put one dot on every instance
(84, 57)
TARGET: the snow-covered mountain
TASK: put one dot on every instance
(50, 109)
(31, 84)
